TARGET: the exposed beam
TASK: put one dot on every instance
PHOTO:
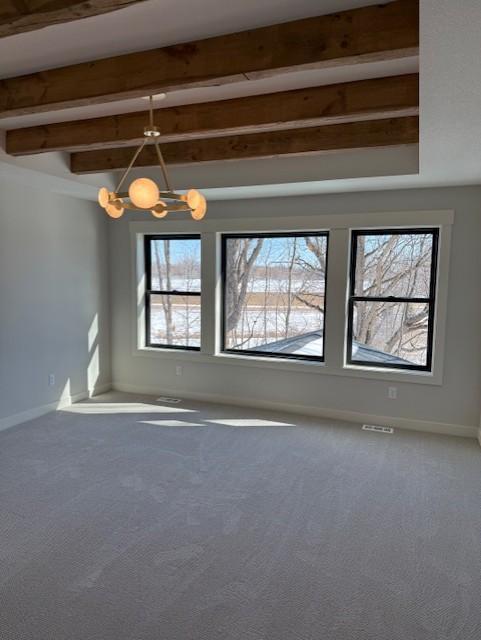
(378, 32)
(348, 102)
(353, 135)
(17, 16)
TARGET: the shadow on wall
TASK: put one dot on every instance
(93, 376)
(74, 376)
(54, 310)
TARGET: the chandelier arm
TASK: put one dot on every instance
(163, 194)
(172, 195)
(168, 207)
(178, 207)
(129, 205)
(135, 156)
(163, 167)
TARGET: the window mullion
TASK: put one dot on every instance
(336, 288)
(401, 300)
(174, 292)
(208, 301)
(147, 318)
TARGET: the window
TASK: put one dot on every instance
(172, 297)
(386, 310)
(392, 298)
(274, 294)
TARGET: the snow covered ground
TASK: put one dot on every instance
(258, 325)
(261, 325)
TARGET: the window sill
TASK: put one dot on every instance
(299, 366)
(193, 355)
(395, 375)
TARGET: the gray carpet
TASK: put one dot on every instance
(123, 519)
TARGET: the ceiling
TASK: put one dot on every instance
(159, 23)
(450, 94)
(282, 82)
(150, 24)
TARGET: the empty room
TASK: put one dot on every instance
(240, 320)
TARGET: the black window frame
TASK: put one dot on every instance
(174, 292)
(277, 234)
(430, 300)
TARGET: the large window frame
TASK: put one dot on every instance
(430, 299)
(225, 237)
(149, 292)
(339, 225)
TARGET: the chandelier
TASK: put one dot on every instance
(144, 195)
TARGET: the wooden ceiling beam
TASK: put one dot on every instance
(310, 140)
(18, 16)
(348, 102)
(373, 33)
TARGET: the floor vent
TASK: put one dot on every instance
(168, 399)
(378, 429)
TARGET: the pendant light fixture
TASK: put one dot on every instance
(143, 194)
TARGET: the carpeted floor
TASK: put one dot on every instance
(125, 519)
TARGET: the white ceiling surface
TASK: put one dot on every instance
(157, 23)
(450, 127)
(151, 24)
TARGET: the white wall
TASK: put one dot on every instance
(453, 406)
(54, 299)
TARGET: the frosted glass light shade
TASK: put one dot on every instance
(115, 209)
(144, 193)
(160, 210)
(104, 197)
(200, 210)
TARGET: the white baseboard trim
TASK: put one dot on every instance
(335, 414)
(29, 414)
(64, 401)
(98, 389)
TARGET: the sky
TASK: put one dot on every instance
(278, 250)
(274, 250)
(181, 249)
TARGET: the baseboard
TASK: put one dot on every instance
(98, 389)
(335, 414)
(64, 401)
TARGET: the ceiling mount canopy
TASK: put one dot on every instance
(143, 194)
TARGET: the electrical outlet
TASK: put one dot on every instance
(51, 379)
(392, 393)
(178, 370)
